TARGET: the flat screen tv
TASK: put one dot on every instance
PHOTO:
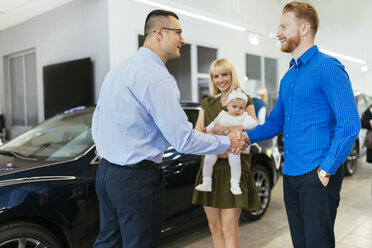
(67, 85)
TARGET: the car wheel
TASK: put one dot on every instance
(263, 184)
(351, 161)
(26, 235)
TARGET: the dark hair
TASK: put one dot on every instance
(155, 18)
(304, 11)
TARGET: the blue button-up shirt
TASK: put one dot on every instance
(317, 113)
(138, 115)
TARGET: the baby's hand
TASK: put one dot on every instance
(223, 155)
(236, 128)
(204, 130)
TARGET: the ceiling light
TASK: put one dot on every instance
(272, 35)
(364, 68)
(341, 56)
(253, 39)
(196, 16)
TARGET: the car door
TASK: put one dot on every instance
(180, 171)
(92, 200)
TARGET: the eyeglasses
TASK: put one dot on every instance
(177, 30)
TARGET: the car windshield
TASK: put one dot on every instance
(58, 138)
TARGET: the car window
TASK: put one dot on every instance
(369, 100)
(60, 137)
(361, 104)
(192, 115)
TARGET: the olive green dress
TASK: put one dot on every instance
(221, 196)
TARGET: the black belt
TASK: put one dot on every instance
(143, 164)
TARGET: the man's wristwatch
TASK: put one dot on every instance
(323, 173)
(226, 131)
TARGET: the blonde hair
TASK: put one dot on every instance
(222, 66)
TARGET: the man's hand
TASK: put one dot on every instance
(244, 135)
(323, 180)
(237, 145)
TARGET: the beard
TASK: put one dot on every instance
(291, 44)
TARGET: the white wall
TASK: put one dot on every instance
(367, 83)
(127, 18)
(106, 31)
(344, 27)
(73, 31)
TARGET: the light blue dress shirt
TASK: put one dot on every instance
(138, 115)
(316, 111)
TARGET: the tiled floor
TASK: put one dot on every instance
(353, 224)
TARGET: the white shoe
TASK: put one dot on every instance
(235, 188)
(206, 186)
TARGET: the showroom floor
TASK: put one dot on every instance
(353, 224)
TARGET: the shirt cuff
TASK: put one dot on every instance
(225, 142)
(251, 135)
(209, 129)
(328, 166)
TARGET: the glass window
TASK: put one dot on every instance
(22, 98)
(60, 137)
(271, 81)
(192, 115)
(17, 91)
(253, 67)
(180, 69)
(262, 72)
(361, 104)
(206, 56)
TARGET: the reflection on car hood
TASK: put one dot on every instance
(10, 164)
(35, 179)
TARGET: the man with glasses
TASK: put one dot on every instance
(138, 116)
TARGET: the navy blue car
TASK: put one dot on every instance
(47, 191)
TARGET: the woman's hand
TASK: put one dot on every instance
(199, 125)
(223, 155)
(218, 129)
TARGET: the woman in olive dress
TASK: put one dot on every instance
(222, 208)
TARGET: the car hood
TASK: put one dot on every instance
(10, 164)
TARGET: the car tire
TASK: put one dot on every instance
(263, 184)
(26, 234)
(351, 162)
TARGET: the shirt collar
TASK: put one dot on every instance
(305, 57)
(151, 54)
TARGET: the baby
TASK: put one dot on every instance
(235, 116)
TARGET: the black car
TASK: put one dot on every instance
(47, 191)
(358, 150)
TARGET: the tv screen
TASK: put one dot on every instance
(67, 85)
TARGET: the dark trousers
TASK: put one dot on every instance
(312, 208)
(131, 203)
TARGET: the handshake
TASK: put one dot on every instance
(239, 141)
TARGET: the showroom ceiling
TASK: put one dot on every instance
(13, 12)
